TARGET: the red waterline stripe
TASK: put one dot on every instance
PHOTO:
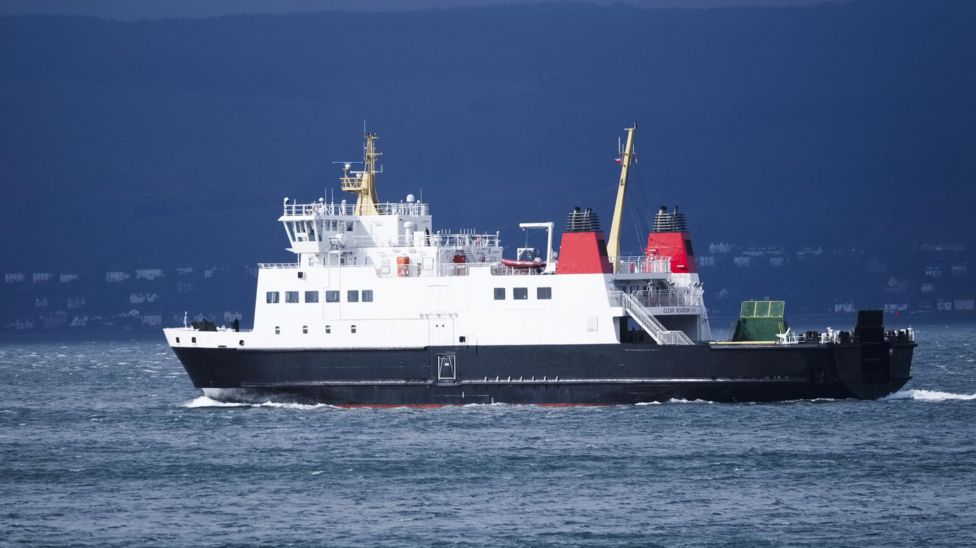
(439, 405)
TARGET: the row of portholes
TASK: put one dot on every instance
(328, 330)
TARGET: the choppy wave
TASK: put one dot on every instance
(682, 400)
(918, 394)
(675, 400)
(207, 401)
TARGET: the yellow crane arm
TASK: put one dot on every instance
(613, 242)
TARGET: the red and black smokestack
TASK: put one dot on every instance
(669, 237)
(583, 249)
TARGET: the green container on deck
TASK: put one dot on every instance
(760, 321)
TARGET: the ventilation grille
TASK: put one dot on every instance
(582, 221)
(672, 221)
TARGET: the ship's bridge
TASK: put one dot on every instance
(328, 233)
(320, 227)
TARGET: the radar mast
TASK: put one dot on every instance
(363, 183)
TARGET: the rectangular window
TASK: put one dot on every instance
(353, 329)
(331, 296)
(328, 329)
(291, 296)
(352, 296)
(311, 296)
(304, 330)
(543, 293)
(271, 297)
(499, 293)
(520, 293)
(277, 330)
(367, 295)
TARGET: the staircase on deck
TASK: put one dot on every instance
(650, 324)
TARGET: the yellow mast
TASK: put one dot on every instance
(363, 182)
(613, 242)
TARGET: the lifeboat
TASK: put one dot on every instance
(514, 263)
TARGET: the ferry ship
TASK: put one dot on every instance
(380, 308)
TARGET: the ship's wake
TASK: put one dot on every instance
(919, 394)
(673, 400)
(215, 397)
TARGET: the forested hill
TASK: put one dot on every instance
(174, 141)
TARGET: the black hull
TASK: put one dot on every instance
(553, 375)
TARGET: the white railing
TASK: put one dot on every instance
(453, 269)
(465, 239)
(647, 321)
(643, 265)
(459, 241)
(277, 265)
(334, 209)
(414, 270)
(499, 269)
(670, 297)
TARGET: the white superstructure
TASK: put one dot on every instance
(371, 275)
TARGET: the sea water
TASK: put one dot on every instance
(107, 443)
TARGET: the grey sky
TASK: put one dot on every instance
(135, 9)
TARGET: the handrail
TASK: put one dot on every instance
(499, 269)
(459, 241)
(324, 208)
(413, 270)
(648, 322)
(670, 297)
(642, 264)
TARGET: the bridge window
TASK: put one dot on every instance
(331, 296)
(499, 293)
(352, 296)
(291, 296)
(543, 293)
(367, 295)
(311, 296)
(520, 293)
(271, 297)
